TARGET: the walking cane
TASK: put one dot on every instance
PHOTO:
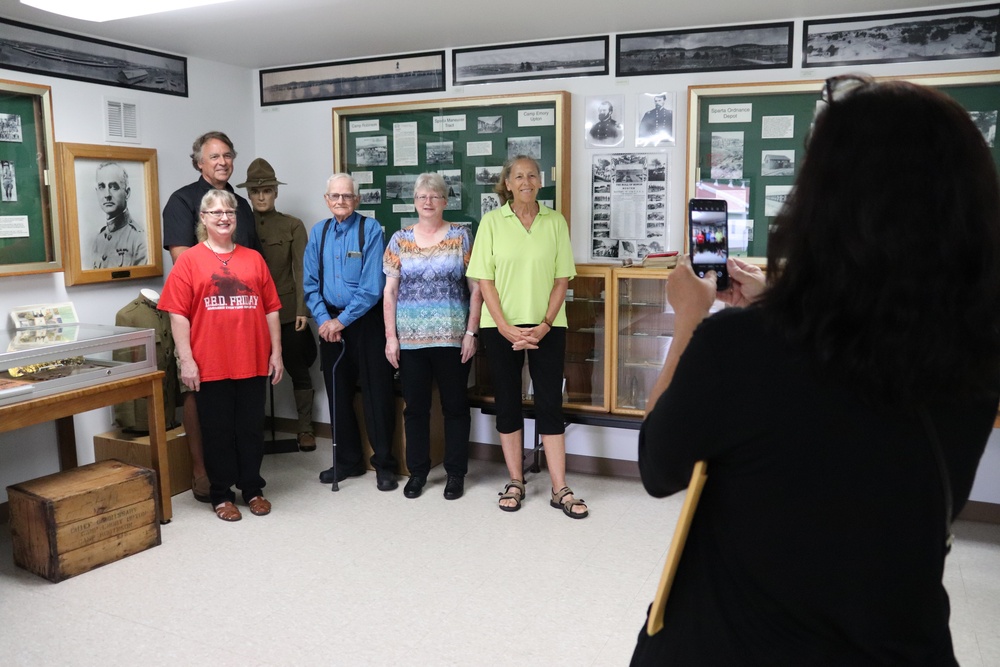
(333, 411)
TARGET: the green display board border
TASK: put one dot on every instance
(36, 182)
(555, 147)
(804, 95)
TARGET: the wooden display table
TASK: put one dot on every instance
(62, 406)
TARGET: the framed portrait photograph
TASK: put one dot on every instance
(29, 198)
(112, 213)
(759, 46)
(966, 32)
(654, 120)
(364, 77)
(604, 127)
(30, 48)
(530, 60)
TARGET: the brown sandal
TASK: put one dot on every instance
(259, 505)
(228, 512)
(567, 507)
(507, 494)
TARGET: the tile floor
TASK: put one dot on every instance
(360, 577)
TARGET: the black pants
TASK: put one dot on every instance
(298, 352)
(363, 362)
(418, 369)
(546, 367)
(231, 413)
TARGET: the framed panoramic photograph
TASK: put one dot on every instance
(759, 46)
(51, 52)
(29, 201)
(530, 60)
(966, 32)
(111, 208)
(365, 77)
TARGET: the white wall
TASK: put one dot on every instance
(297, 139)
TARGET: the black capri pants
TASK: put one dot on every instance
(546, 368)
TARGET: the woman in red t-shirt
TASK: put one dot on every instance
(224, 315)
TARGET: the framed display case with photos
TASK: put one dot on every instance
(466, 140)
(112, 213)
(29, 201)
(744, 142)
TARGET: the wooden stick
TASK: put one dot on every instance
(698, 476)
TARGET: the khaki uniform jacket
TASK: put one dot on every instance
(283, 239)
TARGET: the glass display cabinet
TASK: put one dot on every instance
(42, 361)
(644, 327)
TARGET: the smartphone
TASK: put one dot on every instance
(708, 221)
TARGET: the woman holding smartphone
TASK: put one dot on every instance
(860, 389)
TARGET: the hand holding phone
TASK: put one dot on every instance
(708, 223)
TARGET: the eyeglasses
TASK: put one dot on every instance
(837, 87)
(431, 198)
(334, 196)
(218, 215)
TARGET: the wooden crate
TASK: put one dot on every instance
(74, 521)
(133, 448)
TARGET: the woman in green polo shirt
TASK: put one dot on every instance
(523, 261)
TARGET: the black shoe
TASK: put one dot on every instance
(414, 487)
(326, 477)
(386, 480)
(454, 487)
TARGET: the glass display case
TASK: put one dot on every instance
(587, 369)
(41, 361)
(644, 327)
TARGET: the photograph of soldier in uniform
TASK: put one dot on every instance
(656, 124)
(121, 239)
(603, 128)
(8, 180)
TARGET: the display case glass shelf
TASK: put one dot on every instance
(41, 361)
(644, 328)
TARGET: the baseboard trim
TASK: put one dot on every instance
(975, 510)
(480, 451)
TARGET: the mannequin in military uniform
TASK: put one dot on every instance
(284, 241)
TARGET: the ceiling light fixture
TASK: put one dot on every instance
(110, 10)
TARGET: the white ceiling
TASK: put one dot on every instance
(273, 33)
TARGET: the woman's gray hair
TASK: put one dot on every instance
(431, 181)
(212, 197)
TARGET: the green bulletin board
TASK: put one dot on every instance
(768, 102)
(374, 139)
(29, 231)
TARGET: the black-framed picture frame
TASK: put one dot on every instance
(28, 48)
(111, 208)
(553, 59)
(944, 34)
(740, 47)
(362, 77)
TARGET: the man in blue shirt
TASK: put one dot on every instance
(343, 283)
